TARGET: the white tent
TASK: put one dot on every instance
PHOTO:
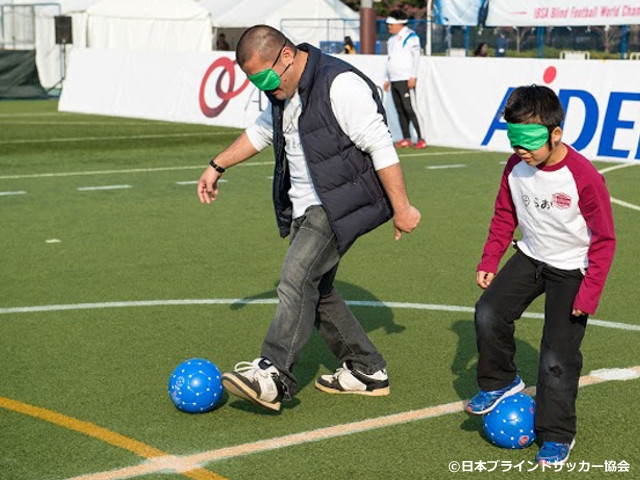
(156, 25)
(151, 25)
(311, 21)
(29, 24)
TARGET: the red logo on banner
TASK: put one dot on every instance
(226, 68)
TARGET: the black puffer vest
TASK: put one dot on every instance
(343, 175)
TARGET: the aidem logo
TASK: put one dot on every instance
(614, 121)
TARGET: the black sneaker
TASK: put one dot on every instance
(257, 381)
(349, 380)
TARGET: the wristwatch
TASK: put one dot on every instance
(217, 167)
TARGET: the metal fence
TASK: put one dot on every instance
(612, 42)
(17, 27)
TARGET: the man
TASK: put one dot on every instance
(221, 43)
(501, 44)
(403, 62)
(337, 176)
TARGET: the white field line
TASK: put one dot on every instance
(186, 463)
(195, 182)
(165, 169)
(37, 114)
(9, 194)
(617, 167)
(625, 204)
(440, 167)
(615, 200)
(274, 301)
(114, 137)
(103, 187)
(438, 154)
(130, 170)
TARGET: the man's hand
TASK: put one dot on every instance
(385, 86)
(411, 83)
(483, 279)
(208, 185)
(405, 221)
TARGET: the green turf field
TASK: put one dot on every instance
(99, 213)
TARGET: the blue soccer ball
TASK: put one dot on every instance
(195, 386)
(511, 423)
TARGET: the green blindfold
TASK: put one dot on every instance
(268, 79)
(530, 136)
(265, 80)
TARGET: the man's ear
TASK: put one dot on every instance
(287, 54)
(556, 135)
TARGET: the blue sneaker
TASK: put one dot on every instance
(485, 401)
(554, 453)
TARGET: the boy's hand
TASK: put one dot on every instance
(483, 279)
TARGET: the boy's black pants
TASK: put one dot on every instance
(521, 280)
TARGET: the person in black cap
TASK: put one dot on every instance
(403, 62)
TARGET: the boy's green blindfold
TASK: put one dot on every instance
(530, 136)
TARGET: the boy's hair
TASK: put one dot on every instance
(534, 104)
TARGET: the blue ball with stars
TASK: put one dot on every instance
(511, 424)
(195, 386)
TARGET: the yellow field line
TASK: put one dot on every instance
(331, 432)
(157, 457)
(188, 465)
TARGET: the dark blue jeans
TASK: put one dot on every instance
(308, 298)
(520, 281)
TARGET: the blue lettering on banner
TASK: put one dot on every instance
(591, 114)
(496, 123)
(611, 124)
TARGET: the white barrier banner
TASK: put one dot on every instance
(534, 13)
(459, 99)
(465, 97)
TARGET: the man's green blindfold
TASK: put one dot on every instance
(266, 80)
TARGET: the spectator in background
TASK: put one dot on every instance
(349, 47)
(501, 44)
(482, 50)
(222, 43)
(403, 62)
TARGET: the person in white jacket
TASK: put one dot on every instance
(403, 48)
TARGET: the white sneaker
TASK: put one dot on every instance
(257, 381)
(349, 380)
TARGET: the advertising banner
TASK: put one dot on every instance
(533, 13)
(459, 99)
(465, 97)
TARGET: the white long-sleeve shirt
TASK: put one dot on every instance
(403, 51)
(357, 114)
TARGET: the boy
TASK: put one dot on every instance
(562, 206)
